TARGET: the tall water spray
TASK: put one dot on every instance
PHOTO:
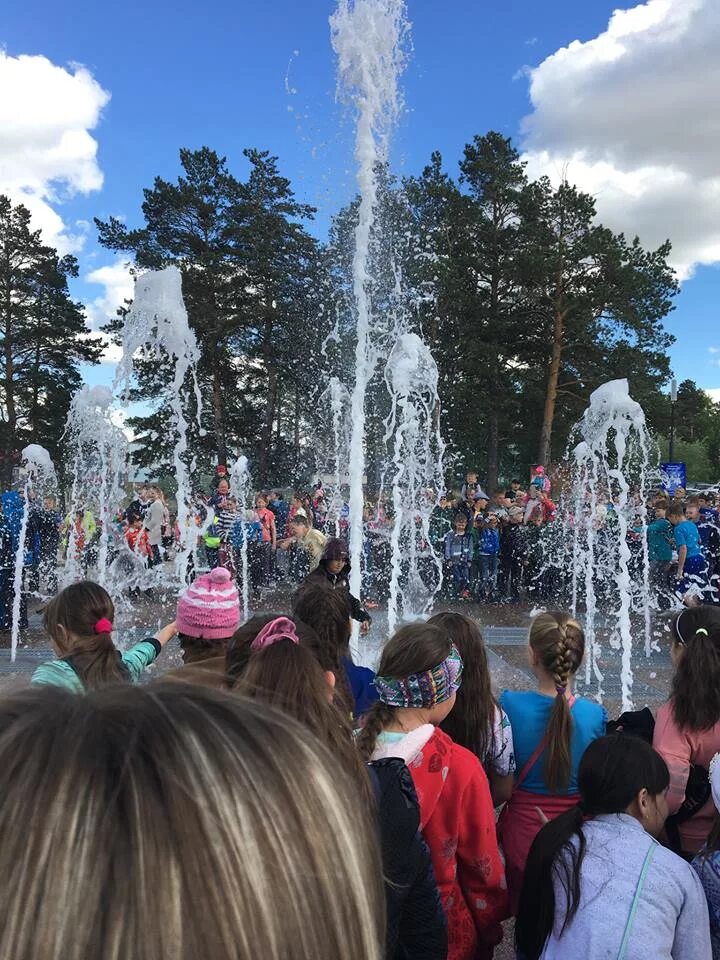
(412, 428)
(155, 329)
(99, 452)
(336, 400)
(367, 38)
(39, 479)
(611, 466)
(241, 486)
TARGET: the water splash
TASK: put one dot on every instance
(40, 479)
(336, 399)
(367, 36)
(99, 451)
(611, 466)
(157, 328)
(241, 486)
(411, 376)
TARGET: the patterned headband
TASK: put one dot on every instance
(425, 689)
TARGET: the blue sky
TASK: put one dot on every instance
(237, 74)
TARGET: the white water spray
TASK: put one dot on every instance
(39, 479)
(337, 400)
(613, 452)
(411, 375)
(157, 328)
(241, 488)
(367, 38)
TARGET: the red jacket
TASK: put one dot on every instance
(457, 820)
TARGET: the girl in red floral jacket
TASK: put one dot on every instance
(419, 675)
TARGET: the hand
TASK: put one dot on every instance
(364, 626)
(167, 633)
(541, 816)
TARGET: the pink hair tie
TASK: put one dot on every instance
(281, 628)
(103, 626)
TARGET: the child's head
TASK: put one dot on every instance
(420, 670)
(516, 514)
(335, 556)
(300, 525)
(470, 722)
(471, 476)
(556, 650)
(695, 654)
(49, 503)
(692, 509)
(223, 487)
(260, 501)
(79, 621)
(203, 798)
(661, 510)
(460, 523)
(676, 514)
(208, 614)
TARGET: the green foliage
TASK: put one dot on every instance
(43, 339)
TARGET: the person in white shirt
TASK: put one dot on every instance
(153, 523)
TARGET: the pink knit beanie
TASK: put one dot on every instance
(210, 607)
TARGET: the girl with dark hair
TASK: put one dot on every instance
(551, 730)
(707, 862)
(687, 726)
(328, 612)
(283, 664)
(615, 892)
(80, 623)
(419, 676)
(477, 721)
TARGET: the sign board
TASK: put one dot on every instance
(673, 476)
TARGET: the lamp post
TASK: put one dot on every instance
(673, 401)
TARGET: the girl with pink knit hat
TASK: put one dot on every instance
(208, 614)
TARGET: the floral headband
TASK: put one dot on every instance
(425, 689)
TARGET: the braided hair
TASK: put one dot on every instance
(559, 644)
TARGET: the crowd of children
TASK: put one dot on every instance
(331, 811)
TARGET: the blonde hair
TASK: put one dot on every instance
(559, 643)
(172, 821)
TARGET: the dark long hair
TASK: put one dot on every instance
(327, 611)
(411, 649)
(77, 609)
(695, 693)
(471, 723)
(613, 770)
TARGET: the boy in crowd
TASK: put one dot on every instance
(488, 553)
(307, 545)
(691, 576)
(709, 534)
(499, 505)
(471, 486)
(512, 554)
(458, 552)
(660, 542)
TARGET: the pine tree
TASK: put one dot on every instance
(43, 339)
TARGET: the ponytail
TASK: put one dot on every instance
(378, 717)
(613, 771)
(559, 643)
(85, 613)
(695, 694)
(553, 854)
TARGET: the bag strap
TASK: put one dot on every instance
(535, 755)
(638, 890)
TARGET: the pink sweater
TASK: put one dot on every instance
(679, 748)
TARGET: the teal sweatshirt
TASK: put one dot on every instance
(59, 673)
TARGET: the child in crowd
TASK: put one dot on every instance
(284, 666)
(208, 614)
(233, 820)
(328, 612)
(598, 885)
(418, 679)
(551, 730)
(707, 862)
(458, 553)
(660, 552)
(477, 722)
(687, 727)
(307, 545)
(488, 546)
(136, 536)
(512, 554)
(79, 621)
(691, 576)
(334, 571)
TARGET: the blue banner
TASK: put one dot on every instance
(673, 476)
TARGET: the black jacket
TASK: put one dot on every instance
(416, 922)
(341, 581)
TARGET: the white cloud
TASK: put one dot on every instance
(714, 394)
(118, 286)
(46, 151)
(632, 117)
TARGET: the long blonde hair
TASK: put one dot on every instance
(173, 821)
(559, 642)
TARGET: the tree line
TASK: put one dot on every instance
(527, 302)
